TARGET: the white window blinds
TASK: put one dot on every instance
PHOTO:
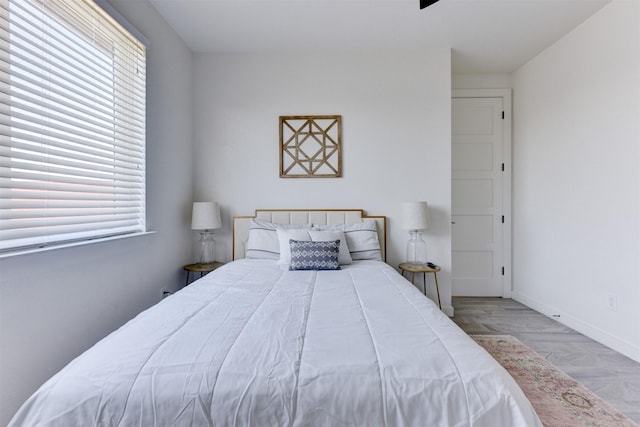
(72, 124)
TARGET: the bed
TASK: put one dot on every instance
(257, 344)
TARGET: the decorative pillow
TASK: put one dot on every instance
(314, 255)
(344, 257)
(284, 236)
(263, 238)
(362, 239)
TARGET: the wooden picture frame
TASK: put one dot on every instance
(310, 146)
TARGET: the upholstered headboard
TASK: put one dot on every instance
(304, 216)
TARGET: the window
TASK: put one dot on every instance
(72, 124)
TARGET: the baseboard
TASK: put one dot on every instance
(621, 346)
(448, 310)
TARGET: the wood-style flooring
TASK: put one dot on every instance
(612, 376)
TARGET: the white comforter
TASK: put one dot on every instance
(253, 345)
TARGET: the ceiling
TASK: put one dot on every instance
(486, 36)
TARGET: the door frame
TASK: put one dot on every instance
(505, 94)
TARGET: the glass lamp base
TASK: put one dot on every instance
(416, 248)
(207, 248)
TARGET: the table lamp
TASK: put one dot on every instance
(206, 217)
(415, 218)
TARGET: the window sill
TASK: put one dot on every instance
(28, 251)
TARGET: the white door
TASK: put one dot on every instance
(478, 222)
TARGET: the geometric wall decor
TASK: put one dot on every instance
(310, 146)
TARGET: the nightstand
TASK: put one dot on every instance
(417, 267)
(202, 268)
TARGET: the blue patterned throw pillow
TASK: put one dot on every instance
(314, 255)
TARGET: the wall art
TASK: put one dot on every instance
(310, 146)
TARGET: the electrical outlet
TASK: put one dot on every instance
(612, 302)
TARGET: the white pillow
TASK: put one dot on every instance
(283, 241)
(344, 257)
(263, 238)
(362, 239)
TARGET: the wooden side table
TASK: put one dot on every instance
(417, 267)
(201, 268)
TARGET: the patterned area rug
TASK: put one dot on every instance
(558, 399)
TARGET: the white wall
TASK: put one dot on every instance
(396, 112)
(576, 188)
(55, 304)
(482, 81)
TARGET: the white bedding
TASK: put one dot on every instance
(254, 345)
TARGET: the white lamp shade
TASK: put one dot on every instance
(415, 216)
(205, 216)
